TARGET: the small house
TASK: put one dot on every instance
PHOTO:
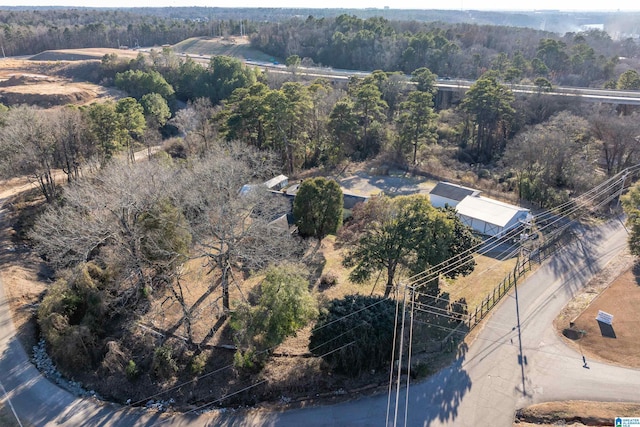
(277, 183)
(448, 194)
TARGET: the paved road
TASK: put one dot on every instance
(483, 387)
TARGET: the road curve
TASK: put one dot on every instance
(483, 386)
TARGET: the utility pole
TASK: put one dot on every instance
(404, 311)
(393, 357)
(515, 287)
(412, 296)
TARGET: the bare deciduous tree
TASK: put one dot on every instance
(620, 137)
(195, 122)
(120, 217)
(28, 146)
(553, 158)
(232, 227)
(73, 141)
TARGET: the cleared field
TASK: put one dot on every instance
(40, 82)
(82, 54)
(237, 47)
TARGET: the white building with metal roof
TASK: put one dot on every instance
(491, 217)
(486, 216)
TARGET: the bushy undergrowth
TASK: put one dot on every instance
(355, 334)
(71, 317)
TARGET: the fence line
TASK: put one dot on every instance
(524, 264)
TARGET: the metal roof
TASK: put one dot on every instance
(452, 191)
(488, 210)
(275, 181)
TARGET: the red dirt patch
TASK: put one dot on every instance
(40, 83)
(575, 413)
(620, 344)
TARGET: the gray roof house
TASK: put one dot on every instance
(446, 193)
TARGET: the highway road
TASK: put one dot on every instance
(610, 96)
(484, 386)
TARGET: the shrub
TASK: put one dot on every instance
(164, 365)
(355, 334)
(328, 280)
(285, 304)
(245, 360)
(198, 364)
(71, 317)
(131, 370)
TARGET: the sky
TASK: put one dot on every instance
(572, 5)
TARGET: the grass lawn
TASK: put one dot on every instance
(488, 274)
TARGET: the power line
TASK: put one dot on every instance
(446, 267)
(442, 268)
(229, 366)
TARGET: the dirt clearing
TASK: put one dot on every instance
(617, 344)
(575, 413)
(51, 81)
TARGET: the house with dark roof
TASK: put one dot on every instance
(448, 194)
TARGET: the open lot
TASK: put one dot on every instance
(41, 83)
(618, 343)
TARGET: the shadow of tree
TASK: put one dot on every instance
(636, 272)
(581, 240)
(440, 397)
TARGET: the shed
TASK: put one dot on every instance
(490, 217)
(446, 193)
(277, 182)
(349, 199)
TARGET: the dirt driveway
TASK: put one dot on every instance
(394, 183)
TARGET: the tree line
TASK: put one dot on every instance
(462, 50)
(321, 123)
(28, 32)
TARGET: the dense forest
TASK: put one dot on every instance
(462, 50)
(24, 32)
(456, 49)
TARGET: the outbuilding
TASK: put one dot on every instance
(486, 216)
(491, 217)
